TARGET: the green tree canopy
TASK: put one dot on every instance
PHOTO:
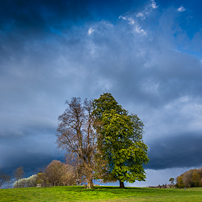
(171, 180)
(106, 103)
(120, 141)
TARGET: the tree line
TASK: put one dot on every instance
(55, 174)
(191, 178)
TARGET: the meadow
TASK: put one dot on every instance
(101, 194)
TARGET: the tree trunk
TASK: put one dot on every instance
(121, 184)
(90, 183)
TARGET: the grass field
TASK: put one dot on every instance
(57, 194)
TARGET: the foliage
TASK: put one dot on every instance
(191, 178)
(106, 103)
(124, 154)
(69, 177)
(101, 194)
(120, 143)
(196, 178)
(54, 172)
(26, 182)
(172, 180)
(58, 173)
(77, 136)
(42, 179)
(180, 183)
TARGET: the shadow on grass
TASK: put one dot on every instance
(108, 189)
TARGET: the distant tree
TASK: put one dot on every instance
(18, 174)
(54, 172)
(120, 143)
(31, 181)
(20, 183)
(26, 182)
(171, 180)
(69, 177)
(190, 178)
(42, 179)
(4, 178)
(199, 170)
(187, 178)
(180, 183)
(77, 136)
(58, 173)
(200, 173)
(196, 178)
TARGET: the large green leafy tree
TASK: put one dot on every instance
(120, 143)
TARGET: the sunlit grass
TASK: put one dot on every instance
(110, 194)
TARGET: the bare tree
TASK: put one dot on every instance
(4, 178)
(187, 178)
(77, 136)
(54, 172)
(18, 173)
(69, 176)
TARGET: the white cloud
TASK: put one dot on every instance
(90, 31)
(141, 15)
(122, 17)
(139, 30)
(181, 9)
(148, 9)
(153, 5)
(131, 21)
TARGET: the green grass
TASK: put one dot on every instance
(109, 194)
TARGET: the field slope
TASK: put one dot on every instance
(110, 194)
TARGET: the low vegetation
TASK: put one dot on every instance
(99, 193)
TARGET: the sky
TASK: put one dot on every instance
(147, 54)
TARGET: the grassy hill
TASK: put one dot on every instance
(110, 194)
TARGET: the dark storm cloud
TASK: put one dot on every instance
(41, 15)
(183, 150)
(22, 22)
(27, 16)
(34, 150)
(26, 24)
